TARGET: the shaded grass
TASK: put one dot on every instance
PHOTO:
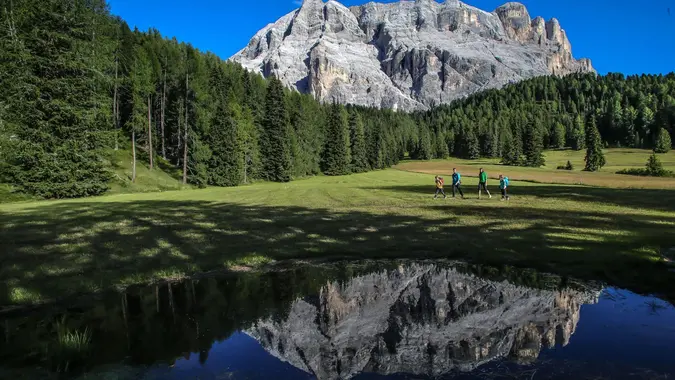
(617, 159)
(54, 249)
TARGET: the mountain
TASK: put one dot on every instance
(407, 55)
(421, 319)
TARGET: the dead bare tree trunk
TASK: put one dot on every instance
(133, 151)
(161, 123)
(150, 133)
(157, 297)
(185, 139)
(116, 115)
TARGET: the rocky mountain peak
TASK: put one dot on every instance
(409, 54)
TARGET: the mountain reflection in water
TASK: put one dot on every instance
(339, 321)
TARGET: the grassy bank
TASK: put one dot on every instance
(52, 249)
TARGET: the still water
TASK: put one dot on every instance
(376, 320)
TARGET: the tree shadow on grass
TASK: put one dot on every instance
(649, 199)
(55, 250)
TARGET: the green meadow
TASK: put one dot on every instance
(620, 235)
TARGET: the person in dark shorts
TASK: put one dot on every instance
(439, 187)
(482, 183)
(457, 183)
(504, 186)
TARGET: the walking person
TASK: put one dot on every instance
(457, 183)
(439, 187)
(482, 183)
(503, 186)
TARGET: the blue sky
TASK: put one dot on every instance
(625, 36)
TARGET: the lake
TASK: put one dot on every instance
(365, 320)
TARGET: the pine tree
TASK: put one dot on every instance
(595, 158)
(275, 139)
(358, 143)
(226, 166)
(441, 146)
(663, 142)
(654, 166)
(58, 109)
(558, 140)
(423, 150)
(141, 88)
(578, 134)
(511, 154)
(336, 159)
(534, 147)
(469, 144)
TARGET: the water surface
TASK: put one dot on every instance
(376, 320)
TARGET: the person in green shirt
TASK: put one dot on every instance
(482, 183)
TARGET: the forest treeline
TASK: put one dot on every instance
(78, 83)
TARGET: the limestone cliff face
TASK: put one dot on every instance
(420, 319)
(408, 54)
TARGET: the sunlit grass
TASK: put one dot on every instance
(617, 159)
(57, 248)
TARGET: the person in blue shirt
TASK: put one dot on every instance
(503, 186)
(457, 183)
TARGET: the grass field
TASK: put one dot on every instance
(57, 248)
(617, 159)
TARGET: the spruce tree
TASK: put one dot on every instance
(469, 144)
(275, 139)
(663, 142)
(534, 147)
(141, 88)
(424, 147)
(357, 143)
(595, 159)
(654, 167)
(511, 154)
(558, 136)
(55, 103)
(226, 166)
(441, 146)
(578, 134)
(336, 152)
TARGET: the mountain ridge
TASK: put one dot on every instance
(407, 55)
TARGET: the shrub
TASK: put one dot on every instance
(568, 166)
(663, 142)
(654, 168)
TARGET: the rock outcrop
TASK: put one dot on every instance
(409, 54)
(420, 319)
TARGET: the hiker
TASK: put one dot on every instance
(503, 186)
(439, 187)
(456, 183)
(482, 183)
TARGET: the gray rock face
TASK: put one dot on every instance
(419, 319)
(407, 55)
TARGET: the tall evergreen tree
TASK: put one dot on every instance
(423, 149)
(357, 143)
(511, 153)
(595, 158)
(336, 158)
(226, 166)
(469, 144)
(57, 145)
(663, 142)
(558, 140)
(275, 139)
(141, 88)
(534, 147)
(578, 134)
(441, 146)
